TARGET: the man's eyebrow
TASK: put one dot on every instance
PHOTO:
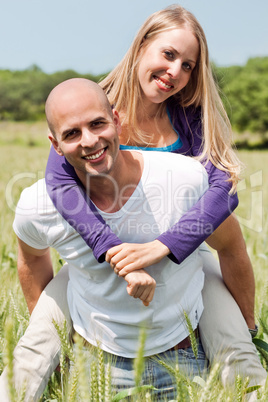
(99, 118)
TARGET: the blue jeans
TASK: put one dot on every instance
(123, 376)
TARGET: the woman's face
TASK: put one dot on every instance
(166, 64)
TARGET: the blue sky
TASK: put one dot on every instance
(92, 36)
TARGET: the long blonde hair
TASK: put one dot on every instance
(123, 89)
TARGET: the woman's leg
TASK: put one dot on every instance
(223, 330)
(38, 351)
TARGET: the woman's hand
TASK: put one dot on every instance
(128, 257)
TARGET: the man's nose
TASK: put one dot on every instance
(88, 139)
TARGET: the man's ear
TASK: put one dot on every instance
(55, 143)
(117, 121)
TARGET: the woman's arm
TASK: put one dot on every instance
(203, 218)
(72, 202)
(213, 207)
(197, 224)
(194, 227)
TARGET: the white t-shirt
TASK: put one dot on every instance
(101, 310)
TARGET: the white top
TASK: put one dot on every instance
(101, 310)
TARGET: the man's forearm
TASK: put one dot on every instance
(235, 265)
(238, 276)
(34, 274)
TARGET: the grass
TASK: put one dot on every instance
(23, 153)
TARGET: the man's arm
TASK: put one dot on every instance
(235, 265)
(141, 286)
(35, 271)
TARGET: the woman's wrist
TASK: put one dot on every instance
(161, 248)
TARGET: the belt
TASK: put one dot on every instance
(185, 343)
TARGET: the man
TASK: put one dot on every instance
(85, 130)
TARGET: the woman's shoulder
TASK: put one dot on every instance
(190, 113)
(186, 120)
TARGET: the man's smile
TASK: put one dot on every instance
(96, 155)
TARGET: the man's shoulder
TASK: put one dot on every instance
(34, 195)
(35, 216)
(35, 203)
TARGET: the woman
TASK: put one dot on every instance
(158, 108)
(166, 98)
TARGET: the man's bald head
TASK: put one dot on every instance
(66, 93)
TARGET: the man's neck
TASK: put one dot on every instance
(110, 192)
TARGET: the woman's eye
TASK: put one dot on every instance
(169, 54)
(187, 66)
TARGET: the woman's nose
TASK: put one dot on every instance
(174, 69)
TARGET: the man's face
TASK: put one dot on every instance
(86, 132)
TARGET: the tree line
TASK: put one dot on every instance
(23, 93)
(244, 91)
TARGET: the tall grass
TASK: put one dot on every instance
(23, 154)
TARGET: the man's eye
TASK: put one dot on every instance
(71, 133)
(97, 124)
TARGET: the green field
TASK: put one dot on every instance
(23, 154)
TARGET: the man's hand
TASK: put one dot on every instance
(141, 285)
(129, 257)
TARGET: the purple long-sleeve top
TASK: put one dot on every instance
(70, 199)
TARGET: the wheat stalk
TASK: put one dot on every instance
(139, 360)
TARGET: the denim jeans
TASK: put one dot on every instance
(123, 374)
